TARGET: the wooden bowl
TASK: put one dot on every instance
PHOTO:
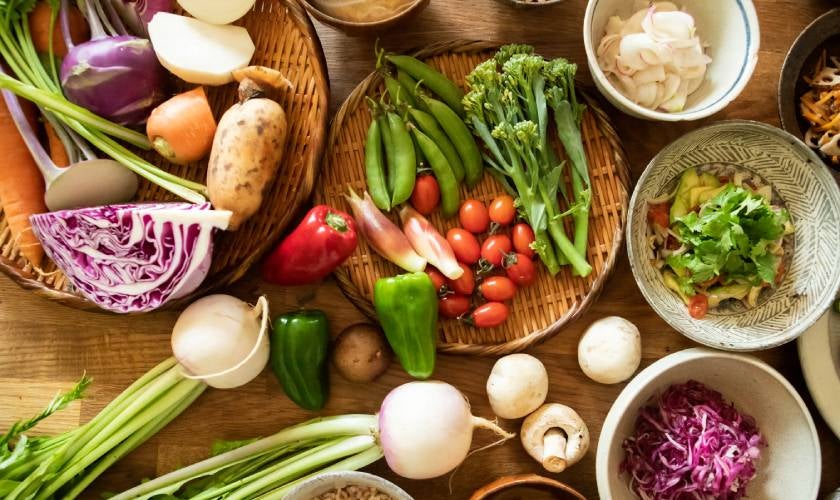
(285, 40)
(369, 28)
(555, 488)
(538, 311)
(533, 3)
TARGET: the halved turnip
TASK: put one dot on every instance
(217, 11)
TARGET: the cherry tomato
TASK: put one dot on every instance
(453, 305)
(426, 194)
(660, 214)
(473, 216)
(502, 211)
(438, 279)
(497, 289)
(523, 236)
(465, 245)
(520, 269)
(490, 315)
(495, 248)
(465, 285)
(698, 305)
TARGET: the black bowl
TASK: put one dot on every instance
(822, 34)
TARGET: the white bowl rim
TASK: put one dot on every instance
(793, 332)
(349, 476)
(622, 403)
(747, 69)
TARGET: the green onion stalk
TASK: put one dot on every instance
(63, 466)
(508, 109)
(74, 125)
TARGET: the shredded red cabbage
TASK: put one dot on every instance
(692, 444)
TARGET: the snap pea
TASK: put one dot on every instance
(450, 197)
(399, 95)
(432, 79)
(405, 166)
(460, 136)
(390, 155)
(429, 126)
(410, 84)
(422, 163)
(375, 168)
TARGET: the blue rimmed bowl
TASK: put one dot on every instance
(729, 27)
(807, 190)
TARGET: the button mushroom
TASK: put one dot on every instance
(517, 385)
(610, 350)
(555, 436)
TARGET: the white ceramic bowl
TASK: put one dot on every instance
(730, 27)
(323, 483)
(790, 465)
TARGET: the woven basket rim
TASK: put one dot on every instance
(230, 274)
(351, 291)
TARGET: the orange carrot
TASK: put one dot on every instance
(39, 26)
(21, 185)
(57, 151)
(182, 128)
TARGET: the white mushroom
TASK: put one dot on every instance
(610, 350)
(555, 436)
(517, 385)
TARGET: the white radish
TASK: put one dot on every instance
(222, 341)
(217, 11)
(200, 52)
(425, 429)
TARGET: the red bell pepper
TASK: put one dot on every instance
(322, 241)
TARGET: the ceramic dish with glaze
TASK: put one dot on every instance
(790, 464)
(360, 28)
(810, 194)
(729, 27)
(530, 486)
(318, 485)
(819, 355)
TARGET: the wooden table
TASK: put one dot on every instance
(46, 347)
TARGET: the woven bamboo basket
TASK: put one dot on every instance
(285, 40)
(539, 311)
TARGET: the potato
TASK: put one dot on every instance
(248, 146)
(360, 353)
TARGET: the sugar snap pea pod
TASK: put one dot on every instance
(390, 154)
(405, 160)
(375, 168)
(399, 95)
(450, 197)
(410, 85)
(432, 79)
(461, 138)
(429, 126)
(422, 162)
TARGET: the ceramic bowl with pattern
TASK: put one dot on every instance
(801, 183)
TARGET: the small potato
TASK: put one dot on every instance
(361, 353)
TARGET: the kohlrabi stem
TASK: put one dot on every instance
(114, 17)
(345, 425)
(65, 25)
(97, 30)
(355, 462)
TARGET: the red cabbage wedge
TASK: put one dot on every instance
(132, 258)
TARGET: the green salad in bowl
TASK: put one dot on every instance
(718, 238)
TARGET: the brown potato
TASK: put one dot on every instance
(360, 353)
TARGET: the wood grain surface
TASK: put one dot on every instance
(46, 347)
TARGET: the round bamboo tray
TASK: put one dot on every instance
(285, 40)
(537, 312)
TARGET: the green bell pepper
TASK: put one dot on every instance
(299, 347)
(407, 307)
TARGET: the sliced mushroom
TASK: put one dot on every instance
(555, 436)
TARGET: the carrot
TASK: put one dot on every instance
(57, 152)
(182, 128)
(39, 26)
(21, 185)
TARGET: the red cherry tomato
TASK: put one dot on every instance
(502, 211)
(523, 236)
(660, 214)
(473, 216)
(453, 306)
(495, 248)
(490, 315)
(698, 306)
(426, 194)
(465, 245)
(520, 269)
(438, 279)
(465, 285)
(497, 289)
